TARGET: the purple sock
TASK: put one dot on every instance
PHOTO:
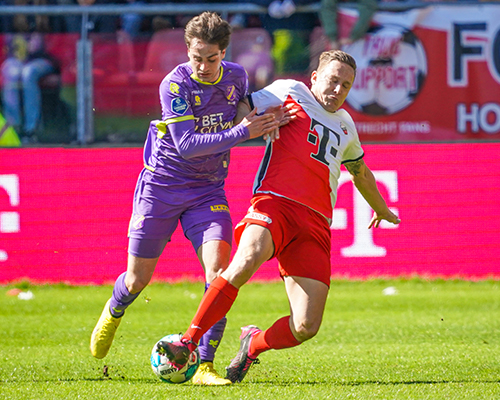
(121, 298)
(211, 339)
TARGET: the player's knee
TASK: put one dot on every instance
(214, 272)
(241, 269)
(136, 284)
(306, 330)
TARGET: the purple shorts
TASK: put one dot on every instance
(203, 212)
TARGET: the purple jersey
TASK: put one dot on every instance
(191, 144)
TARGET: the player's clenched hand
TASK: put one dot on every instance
(259, 125)
(388, 216)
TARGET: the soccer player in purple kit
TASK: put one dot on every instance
(186, 158)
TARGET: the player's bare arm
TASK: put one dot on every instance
(365, 182)
(242, 110)
(354, 167)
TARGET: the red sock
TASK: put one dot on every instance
(216, 302)
(278, 336)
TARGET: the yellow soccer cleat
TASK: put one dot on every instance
(207, 375)
(104, 333)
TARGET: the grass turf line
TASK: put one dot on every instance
(432, 340)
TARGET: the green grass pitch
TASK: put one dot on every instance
(434, 339)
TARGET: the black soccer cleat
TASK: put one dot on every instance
(240, 365)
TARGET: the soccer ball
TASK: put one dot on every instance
(169, 373)
(392, 67)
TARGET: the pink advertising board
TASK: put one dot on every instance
(64, 214)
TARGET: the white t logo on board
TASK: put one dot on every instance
(9, 220)
(363, 245)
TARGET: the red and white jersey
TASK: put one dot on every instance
(304, 163)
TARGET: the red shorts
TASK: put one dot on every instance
(301, 236)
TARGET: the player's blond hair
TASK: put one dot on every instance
(210, 28)
(336, 55)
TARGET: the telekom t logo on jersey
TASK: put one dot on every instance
(326, 151)
(363, 245)
(9, 220)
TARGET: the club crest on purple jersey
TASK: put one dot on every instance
(231, 93)
(137, 221)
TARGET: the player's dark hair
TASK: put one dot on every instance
(336, 55)
(210, 28)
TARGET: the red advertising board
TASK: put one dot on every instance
(428, 74)
(64, 214)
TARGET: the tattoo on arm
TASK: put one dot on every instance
(354, 167)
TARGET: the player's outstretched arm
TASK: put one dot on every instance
(190, 143)
(365, 182)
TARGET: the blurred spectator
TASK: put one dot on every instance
(281, 15)
(132, 22)
(239, 20)
(252, 50)
(31, 22)
(290, 32)
(328, 17)
(97, 23)
(281, 8)
(5, 20)
(327, 38)
(27, 62)
(160, 22)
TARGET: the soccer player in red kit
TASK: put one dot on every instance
(290, 215)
